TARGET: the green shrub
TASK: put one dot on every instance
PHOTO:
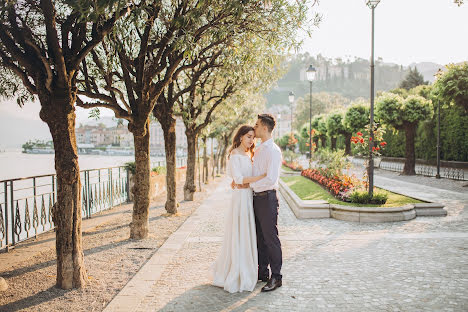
(159, 170)
(130, 166)
(360, 197)
(379, 198)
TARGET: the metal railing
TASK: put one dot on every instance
(26, 203)
(421, 169)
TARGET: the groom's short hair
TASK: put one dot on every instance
(268, 120)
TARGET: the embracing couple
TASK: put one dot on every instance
(251, 246)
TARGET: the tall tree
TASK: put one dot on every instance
(355, 119)
(145, 54)
(43, 43)
(335, 127)
(412, 79)
(320, 126)
(404, 114)
(451, 87)
(322, 103)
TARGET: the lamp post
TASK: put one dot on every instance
(437, 75)
(310, 76)
(279, 126)
(372, 4)
(291, 101)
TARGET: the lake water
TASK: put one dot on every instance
(14, 164)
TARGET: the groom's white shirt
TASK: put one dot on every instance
(267, 159)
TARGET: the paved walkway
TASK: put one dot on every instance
(329, 265)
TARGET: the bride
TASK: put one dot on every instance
(236, 267)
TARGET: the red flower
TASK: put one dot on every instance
(383, 144)
(370, 139)
(359, 133)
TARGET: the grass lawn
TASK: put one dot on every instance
(287, 168)
(307, 189)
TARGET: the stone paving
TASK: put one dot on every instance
(329, 265)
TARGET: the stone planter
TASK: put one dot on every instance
(315, 209)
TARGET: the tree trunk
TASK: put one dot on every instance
(323, 138)
(59, 114)
(170, 148)
(213, 160)
(348, 144)
(205, 162)
(189, 187)
(410, 161)
(333, 143)
(315, 140)
(141, 188)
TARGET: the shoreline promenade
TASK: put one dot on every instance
(329, 265)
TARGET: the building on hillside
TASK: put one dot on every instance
(157, 138)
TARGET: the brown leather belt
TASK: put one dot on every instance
(264, 193)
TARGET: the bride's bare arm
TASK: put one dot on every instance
(253, 179)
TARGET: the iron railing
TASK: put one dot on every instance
(421, 169)
(26, 203)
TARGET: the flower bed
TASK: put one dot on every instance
(293, 166)
(343, 187)
(339, 187)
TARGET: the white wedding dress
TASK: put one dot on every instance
(236, 267)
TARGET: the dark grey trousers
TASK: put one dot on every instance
(268, 244)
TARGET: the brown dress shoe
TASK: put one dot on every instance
(272, 284)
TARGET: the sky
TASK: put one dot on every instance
(406, 31)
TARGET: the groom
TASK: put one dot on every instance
(267, 159)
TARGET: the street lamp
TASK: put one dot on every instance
(291, 101)
(310, 73)
(279, 126)
(437, 75)
(372, 4)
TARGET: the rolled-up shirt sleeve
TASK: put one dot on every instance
(235, 170)
(273, 170)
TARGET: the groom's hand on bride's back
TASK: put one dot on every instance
(233, 185)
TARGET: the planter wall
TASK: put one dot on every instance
(158, 183)
(314, 209)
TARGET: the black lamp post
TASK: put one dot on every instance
(310, 76)
(439, 72)
(291, 101)
(372, 4)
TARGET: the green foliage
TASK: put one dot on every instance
(363, 197)
(388, 109)
(360, 197)
(454, 137)
(451, 87)
(334, 161)
(415, 108)
(130, 166)
(322, 103)
(335, 124)
(348, 77)
(356, 117)
(412, 79)
(159, 170)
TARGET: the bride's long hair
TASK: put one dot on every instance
(243, 130)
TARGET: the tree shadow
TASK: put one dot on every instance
(209, 298)
(42, 265)
(34, 300)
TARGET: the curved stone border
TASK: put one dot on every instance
(314, 209)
